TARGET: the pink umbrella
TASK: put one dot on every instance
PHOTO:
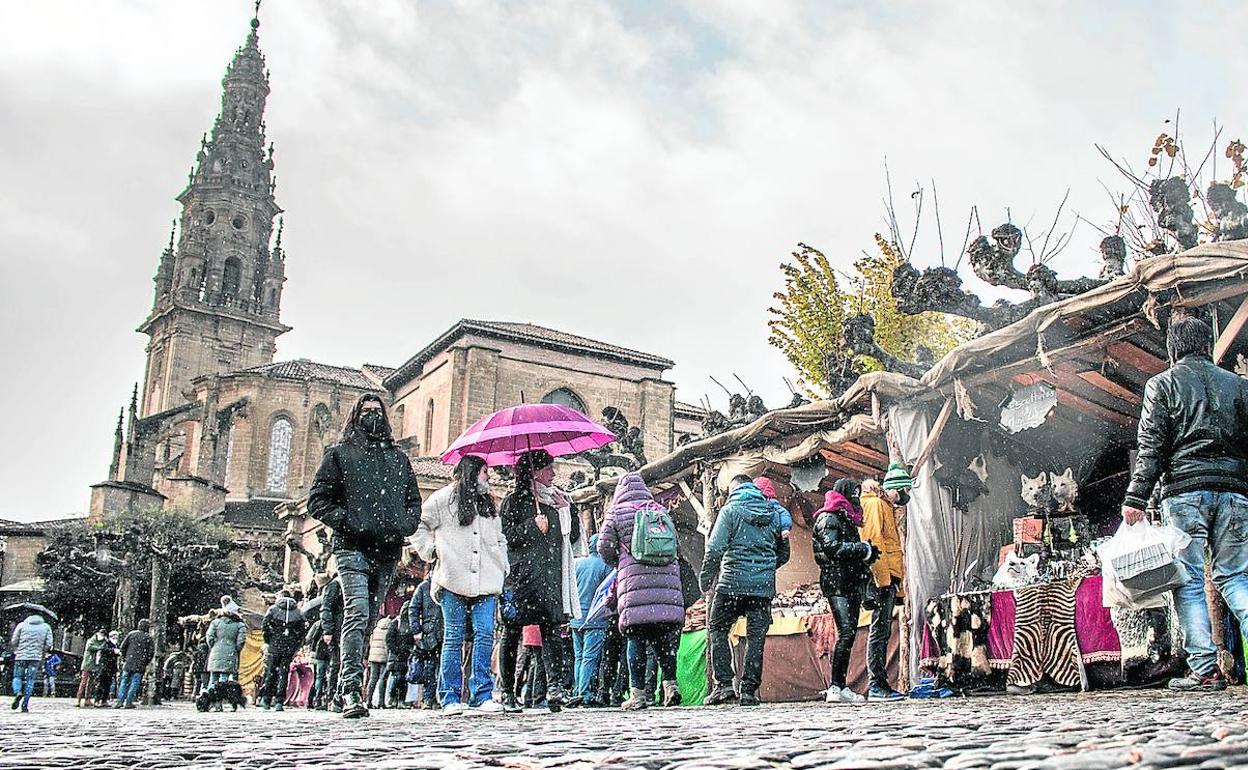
(501, 438)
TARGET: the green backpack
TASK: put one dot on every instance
(654, 537)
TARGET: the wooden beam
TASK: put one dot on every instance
(1232, 330)
(1095, 342)
(850, 466)
(867, 454)
(693, 499)
(1098, 380)
(933, 437)
(1143, 360)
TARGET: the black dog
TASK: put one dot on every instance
(221, 693)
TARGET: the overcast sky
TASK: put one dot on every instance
(629, 171)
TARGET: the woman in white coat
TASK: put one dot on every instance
(461, 535)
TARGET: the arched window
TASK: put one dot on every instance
(428, 428)
(564, 397)
(400, 412)
(272, 297)
(280, 436)
(229, 454)
(231, 278)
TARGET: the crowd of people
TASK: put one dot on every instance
(522, 608)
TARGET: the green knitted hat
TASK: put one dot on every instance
(897, 477)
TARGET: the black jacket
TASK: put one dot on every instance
(137, 650)
(426, 619)
(365, 491)
(536, 577)
(284, 627)
(840, 554)
(331, 609)
(315, 641)
(1193, 432)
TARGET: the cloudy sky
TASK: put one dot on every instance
(632, 171)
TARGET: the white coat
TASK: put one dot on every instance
(469, 561)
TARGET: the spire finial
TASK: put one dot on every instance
(173, 227)
(281, 222)
(134, 398)
(255, 19)
(121, 417)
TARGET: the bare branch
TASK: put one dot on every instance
(1044, 250)
(918, 214)
(940, 235)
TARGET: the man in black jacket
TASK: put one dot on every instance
(1193, 445)
(137, 650)
(283, 629)
(365, 491)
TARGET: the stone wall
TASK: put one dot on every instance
(19, 557)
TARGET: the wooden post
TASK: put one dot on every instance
(708, 509)
(933, 438)
(1232, 330)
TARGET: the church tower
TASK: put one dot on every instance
(219, 282)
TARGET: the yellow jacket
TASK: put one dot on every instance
(879, 527)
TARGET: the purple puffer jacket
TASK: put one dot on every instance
(646, 593)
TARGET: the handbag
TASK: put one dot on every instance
(604, 602)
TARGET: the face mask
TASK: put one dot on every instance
(483, 485)
(373, 422)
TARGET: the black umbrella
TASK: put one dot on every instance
(32, 607)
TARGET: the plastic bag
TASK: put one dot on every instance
(603, 603)
(1145, 556)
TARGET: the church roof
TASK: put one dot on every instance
(532, 334)
(258, 513)
(692, 410)
(302, 369)
(45, 527)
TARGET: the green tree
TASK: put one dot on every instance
(807, 317)
(83, 592)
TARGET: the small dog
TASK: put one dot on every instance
(221, 693)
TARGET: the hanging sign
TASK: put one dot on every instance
(1028, 407)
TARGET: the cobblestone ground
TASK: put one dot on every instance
(1115, 730)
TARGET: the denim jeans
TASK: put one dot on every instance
(457, 611)
(365, 583)
(1220, 521)
(725, 609)
(845, 611)
(24, 674)
(881, 630)
(663, 639)
(587, 644)
(318, 683)
(131, 681)
(220, 676)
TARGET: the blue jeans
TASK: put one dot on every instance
(587, 644)
(220, 676)
(456, 610)
(24, 674)
(1220, 521)
(130, 683)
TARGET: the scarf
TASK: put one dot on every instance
(556, 498)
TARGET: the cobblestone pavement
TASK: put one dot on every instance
(1139, 730)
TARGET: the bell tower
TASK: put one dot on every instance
(219, 282)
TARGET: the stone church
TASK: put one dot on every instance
(220, 429)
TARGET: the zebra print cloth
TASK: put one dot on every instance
(1044, 636)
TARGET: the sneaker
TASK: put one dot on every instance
(489, 707)
(574, 702)
(719, 696)
(453, 709)
(638, 701)
(279, 707)
(353, 707)
(877, 693)
(17, 701)
(510, 705)
(1215, 682)
(750, 699)
(847, 695)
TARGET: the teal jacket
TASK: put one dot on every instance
(745, 548)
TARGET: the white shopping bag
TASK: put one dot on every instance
(1145, 554)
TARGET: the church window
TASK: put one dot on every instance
(231, 277)
(239, 222)
(229, 453)
(399, 413)
(427, 448)
(564, 397)
(272, 297)
(280, 437)
(210, 216)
